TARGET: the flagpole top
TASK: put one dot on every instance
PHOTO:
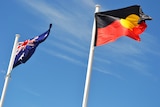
(97, 5)
(17, 35)
(97, 8)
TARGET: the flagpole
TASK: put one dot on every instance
(90, 60)
(9, 69)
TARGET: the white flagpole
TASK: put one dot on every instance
(90, 60)
(9, 69)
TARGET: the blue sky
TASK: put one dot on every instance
(125, 73)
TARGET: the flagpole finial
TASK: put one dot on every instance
(17, 35)
(97, 5)
(97, 8)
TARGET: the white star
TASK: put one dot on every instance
(20, 58)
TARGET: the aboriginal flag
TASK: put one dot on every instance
(26, 49)
(110, 25)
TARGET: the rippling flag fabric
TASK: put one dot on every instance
(26, 49)
(128, 21)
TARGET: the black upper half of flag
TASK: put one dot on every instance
(121, 13)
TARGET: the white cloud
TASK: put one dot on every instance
(90, 3)
(30, 91)
(102, 60)
(75, 49)
(2, 71)
(63, 56)
(74, 22)
(139, 66)
(107, 72)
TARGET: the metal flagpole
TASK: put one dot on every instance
(90, 60)
(9, 69)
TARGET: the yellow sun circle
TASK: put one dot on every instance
(130, 21)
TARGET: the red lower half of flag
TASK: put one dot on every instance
(115, 30)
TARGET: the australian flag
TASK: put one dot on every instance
(26, 49)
